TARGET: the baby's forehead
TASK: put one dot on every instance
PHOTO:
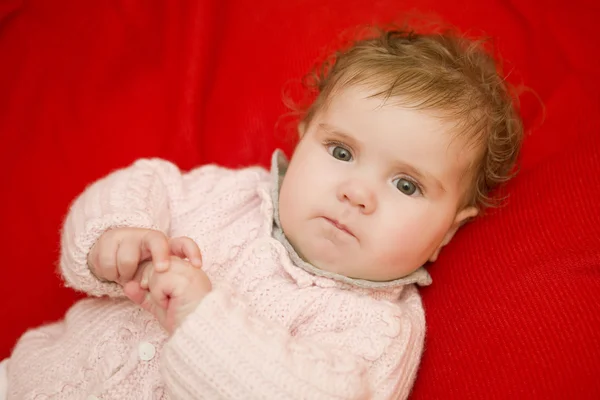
(375, 98)
(364, 102)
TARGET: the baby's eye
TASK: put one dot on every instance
(407, 187)
(339, 152)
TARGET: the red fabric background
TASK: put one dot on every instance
(87, 87)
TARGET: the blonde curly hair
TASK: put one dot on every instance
(441, 71)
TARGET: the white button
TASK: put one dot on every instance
(146, 351)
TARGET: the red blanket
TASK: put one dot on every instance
(89, 86)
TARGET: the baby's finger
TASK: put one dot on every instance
(146, 275)
(128, 258)
(142, 298)
(134, 292)
(185, 247)
(164, 286)
(142, 266)
(159, 290)
(105, 263)
(156, 243)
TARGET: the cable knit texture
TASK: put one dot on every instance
(268, 330)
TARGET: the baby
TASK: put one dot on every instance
(293, 284)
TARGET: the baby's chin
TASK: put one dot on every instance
(348, 264)
(337, 263)
(347, 259)
(330, 267)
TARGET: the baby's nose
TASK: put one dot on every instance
(358, 194)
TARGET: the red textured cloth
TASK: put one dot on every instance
(87, 87)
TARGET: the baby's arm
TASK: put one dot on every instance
(222, 351)
(144, 195)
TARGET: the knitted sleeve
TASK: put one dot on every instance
(222, 352)
(145, 195)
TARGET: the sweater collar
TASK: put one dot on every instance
(279, 164)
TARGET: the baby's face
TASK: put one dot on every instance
(372, 190)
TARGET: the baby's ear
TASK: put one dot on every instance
(461, 217)
(301, 128)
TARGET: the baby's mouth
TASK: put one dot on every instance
(339, 226)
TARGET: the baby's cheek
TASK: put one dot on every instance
(398, 251)
(391, 254)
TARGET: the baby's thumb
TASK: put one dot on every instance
(134, 292)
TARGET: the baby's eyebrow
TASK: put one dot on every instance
(333, 130)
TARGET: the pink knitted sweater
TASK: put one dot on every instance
(270, 329)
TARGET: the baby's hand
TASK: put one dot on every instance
(118, 252)
(169, 295)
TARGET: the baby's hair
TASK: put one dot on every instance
(442, 71)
